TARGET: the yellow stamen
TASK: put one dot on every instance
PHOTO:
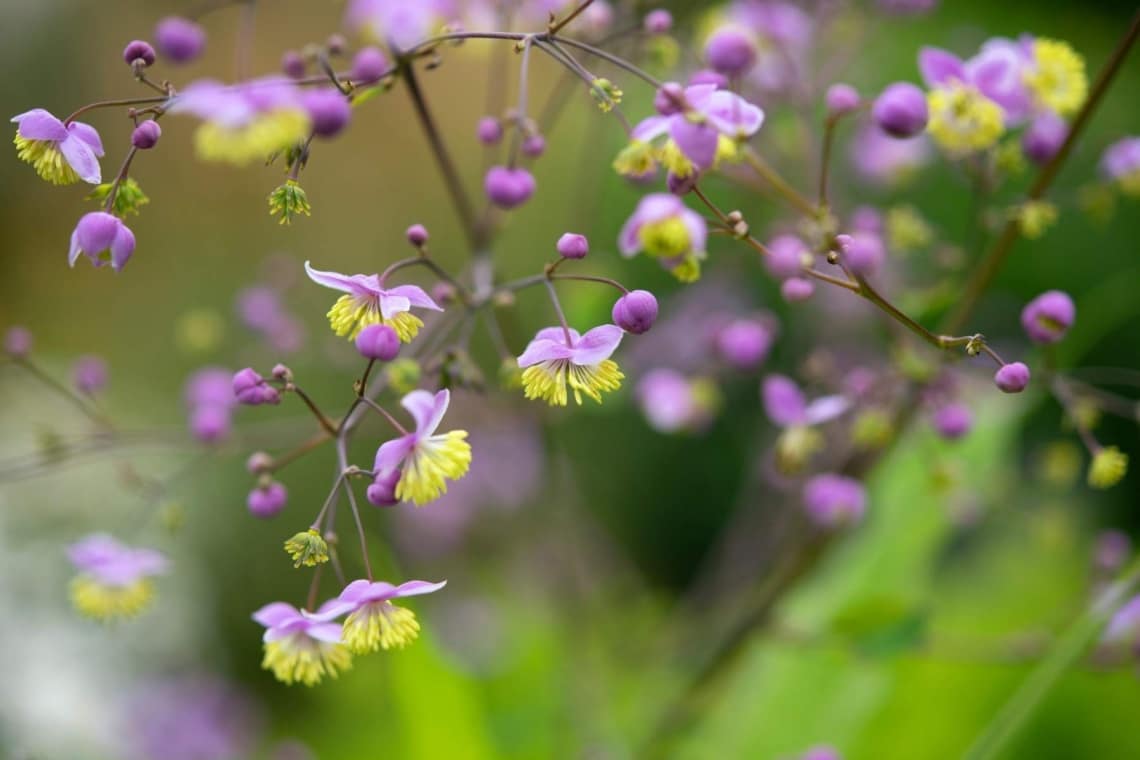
(665, 238)
(548, 381)
(275, 131)
(351, 314)
(46, 158)
(299, 658)
(1108, 467)
(1059, 79)
(675, 160)
(962, 120)
(433, 462)
(635, 159)
(689, 270)
(103, 602)
(380, 625)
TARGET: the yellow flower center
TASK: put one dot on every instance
(1108, 467)
(689, 269)
(549, 380)
(300, 658)
(433, 462)
(272, 132)
(380, 625)
(1059, 80)
(103, 602)
(675, 160)
(351, 314)
(665, 238)
(46, 159)
(635, 159)
(962, 120)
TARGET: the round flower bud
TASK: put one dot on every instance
(268, 500)
(636, 311)
(573, 246)
(841, 99)
(90, 375)
(1048, 317)
(658, 21)
(139, 50)
(730, 51)
(378, 342)
(834, 500)
(443, 293)
(368, 65)
(953, 421)
(901, 110)
(145, 136)
(669, 99)
(258, 462)
(417, 235)
(1043, 137)
(179, 39)
(293, 64)
(336, 44)
(210, 423)
(707, 76)
(864, 254)
(744, 343)
(681, 185)
(282, 372)
(328, 110)
(250, 389)
(533, 146)
(796, 289)
(382, 492)
(508, 188)
(1012, 377)
(489, 130)
(785, 256)
(18, 342)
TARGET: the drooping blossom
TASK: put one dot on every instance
(373, 621)
(302, 646)
(560, 358)
(1048, 317)
(901, 110)
(1012, 377)
(104, 239)
(61, 153)
(834, 500)
(368, 302)
(426, 460)
(788, 408)
(963, 118)
(1121, 164)
(114, 579)
(663, 227)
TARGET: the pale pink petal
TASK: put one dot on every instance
(557, 334)
(82, 159)
(939, 66)
(416, 588)
(825, 408)
(38, 124)
(391, 305)
(87, 134)
(330, 633)
(416, 296)
(334, 280)
(697, 228)
(275, 613)
(598, 344)
(784, 402)
(391, 453)
(544, 350)
(650, 128)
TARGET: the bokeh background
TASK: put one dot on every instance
(593, 564)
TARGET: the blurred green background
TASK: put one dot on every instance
(575, 620)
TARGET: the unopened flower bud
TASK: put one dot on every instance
(901, 110)
(635, 312)
(443, 293)
(329, 111)
(658, 21)
(730, 51)
(533, 146)
(336, 44)
(865, 254)
(708, 76)
(841, 99)
(1012, 377)
(179, 39)
(379, 342)
(267, 500)
(1049, 316)
(785, 256)
(293, 64)
(139, 53)
(258, 462)
(417, 235)
(573, 246)
(681, 185)
(489, 130)
(90, 374)
(283, 373)
(508, 188)
(952, 421)
(145, 136)
(382, 491)
(250, 388)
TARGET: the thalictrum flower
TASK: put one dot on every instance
(398, 23)
(300, 645)
(788, 408)
(559, 358)
(664, 228)
(114, 579)
(1121, 164)
(60, 153)
(103, 238)
(368, 302)
(428, 460)
(375, 623)
(834, 500)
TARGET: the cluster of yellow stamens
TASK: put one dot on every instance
(434, 460)
(46, 158)
(380, 625)
(298, 658)
(267, 134)
(351, 314)
(549, 380)
(106, 602)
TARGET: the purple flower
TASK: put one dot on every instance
(1044, 137)
(997, 72)
(267, 500)
(834, 500)
(378, 342)
(783, 34)
(210, 386)
(730, 51)
(251, 389)
(635, 312)
(952, 421)
(329, 111)
(745, 343)
(293, 64)
(398, 23)
(1121, 163)
(368, 302)
(900, 110)
(864, 253)
(90, 374)
(382, 491)
(368, 65)
(179, 39)
(786, 405)
(533, 146)
(60, 153)
(302, 646)
(373, 622)
(18, 342)
(785, 256)
(429, 460)
(664, 228)
(508, 188)
(102, 238)
(114, 579)
(672, 403)
(886, 160)
(695, 129)
(1012, 377)
(1049, 316)
(658, 21)
(559, 358)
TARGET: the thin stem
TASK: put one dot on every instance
(590, 278)
(314, 587)
(244, 51)
(329, 500)
(572, 66)
(93, 414)
(556, 27)
(385, 414)
(359, 530)
(837, 281)
(112, 103)
(291, 456)
(621, 63)
(524, 70)
(779, 184)
(558, 310)
(992, 261)
(324, 421)
(825, 158)
(126, 167)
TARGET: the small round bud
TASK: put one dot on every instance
(90, 375)
(865, 254)
(336, 44)
(533, 146)
(785, 256)
(1048, 317)
(18, 342)
(210, 423)
(139, 53)
(952, 421)
(417, 235)
(382, 492)
(1012, 377)
(368, 65)
(258, 462)
(730, 51)
(745, 343)
(635, 312)
(328, 110)
(378, 342)
(508, 188)
(179, 39)
(283, 373)
(658, 21)
(293, 64)
(796, 289)
(901, 110)
(669, 99)
(841, 99)
(250, 389)
(489, 130)
(573, 246)
(443, 293)
(1044, 137)
(267, 500)
(145, 136)
(843, 241)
